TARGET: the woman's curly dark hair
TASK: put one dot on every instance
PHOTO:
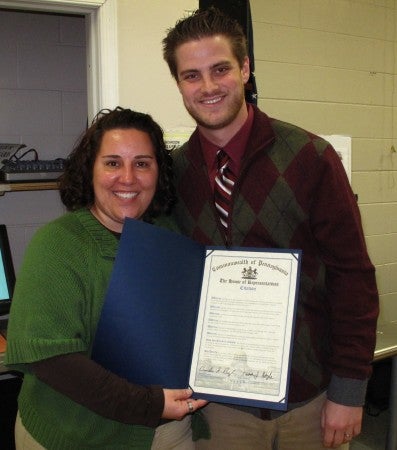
(76, 187)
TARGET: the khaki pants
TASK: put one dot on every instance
(171, 436)
(232, 429)
(23, 439)
(176, 435)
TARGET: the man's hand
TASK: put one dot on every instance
(339, 423)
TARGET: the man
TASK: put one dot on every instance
(283, 188)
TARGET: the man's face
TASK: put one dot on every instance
(212, 83)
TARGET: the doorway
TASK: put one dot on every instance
(24, 212)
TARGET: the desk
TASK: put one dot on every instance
(2, 350)
(386, 347)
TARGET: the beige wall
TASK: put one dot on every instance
(329, 66)
(326, 65)
(145, 81)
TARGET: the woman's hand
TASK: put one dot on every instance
(178, 403)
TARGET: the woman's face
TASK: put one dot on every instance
(125, 177)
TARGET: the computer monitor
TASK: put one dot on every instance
(7, 274)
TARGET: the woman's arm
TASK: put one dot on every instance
(89, 384)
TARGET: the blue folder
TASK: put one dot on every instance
(148, 322)
(147, 326)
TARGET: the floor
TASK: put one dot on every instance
(374, 431)
(376, 411)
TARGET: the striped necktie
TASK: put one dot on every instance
(224, 182)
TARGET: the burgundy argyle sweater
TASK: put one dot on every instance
(292, 192)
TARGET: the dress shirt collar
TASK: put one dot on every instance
(235, 148)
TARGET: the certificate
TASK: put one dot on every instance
(179, 314)
(244, 328)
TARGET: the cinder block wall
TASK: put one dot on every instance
(329, 66)
(326, 65)
(43, 104)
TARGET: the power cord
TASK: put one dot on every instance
(16, 158)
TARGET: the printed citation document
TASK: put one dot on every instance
(178, 314)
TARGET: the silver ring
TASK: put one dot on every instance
(348, 435)
(190, 407)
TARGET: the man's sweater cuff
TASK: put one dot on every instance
(347, 391)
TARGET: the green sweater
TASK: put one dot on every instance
(62, 257)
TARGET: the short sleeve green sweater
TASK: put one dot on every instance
(55, 310)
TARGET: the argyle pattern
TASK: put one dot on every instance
(282, 172)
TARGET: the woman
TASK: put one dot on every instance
(119, 169)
